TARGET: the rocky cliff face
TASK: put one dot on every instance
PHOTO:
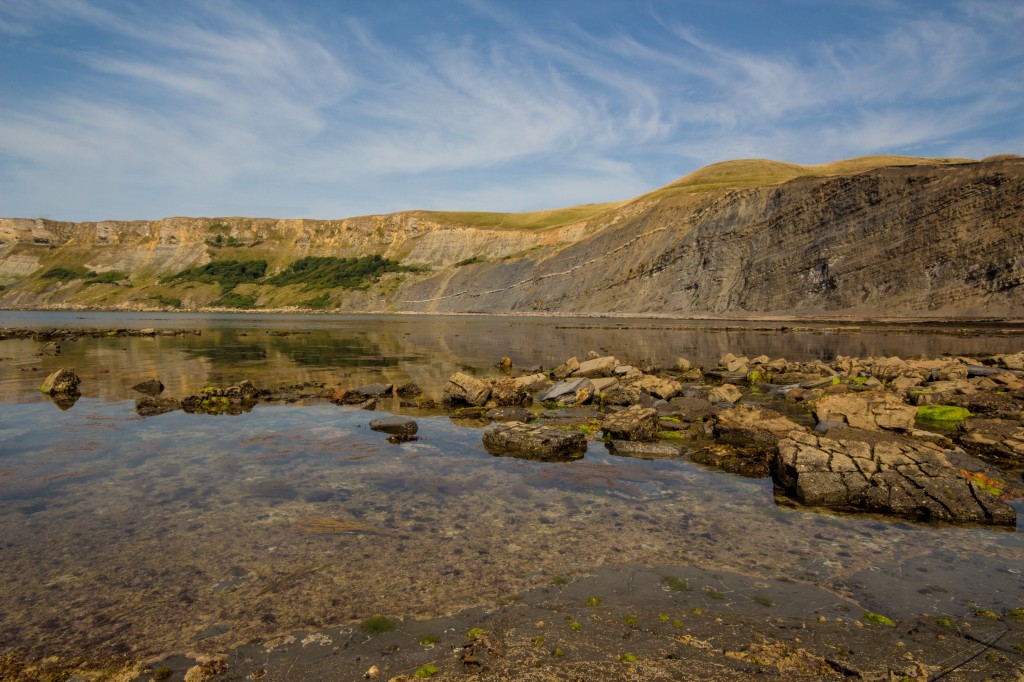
(943, 240)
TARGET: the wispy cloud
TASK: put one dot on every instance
(227, 108)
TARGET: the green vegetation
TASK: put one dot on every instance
(321, 302)
(534, 220)
(108, 277)
(470, 261)
(474, 633)
(944, 623)
(559, 581)
(946, 414)
(878, 619)
(675, 584)
(576, 625)
(377, 625)
(427, 640)
(166, 300)
(594, 601)
(557, 652)
(162, 673)
(227, 273)
(328, 272)
(538, 641)
(233, 299)
(764, 600)
(1016, 613)
(986, 613)
(714, 594)
(426, 671)
(627, 658)
(67, 274)
(629, 621)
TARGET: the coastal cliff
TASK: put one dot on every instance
(873, 237)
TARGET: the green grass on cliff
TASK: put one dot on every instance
(534, 220)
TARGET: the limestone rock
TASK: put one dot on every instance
(870, 411)
(565, 369)
(998, 438)
(726, 393)
(410, 389)
(749, 462)
(149, 406)
(597, 367)
(463, 389)
(665, 389)
(533, 382)
(569, 387)
(753, 426)
(633, 423)
(534, 441)
(508, 414)
(897, 476)
(509, 392)
(61, 382)
(150, 386)
(630, 448)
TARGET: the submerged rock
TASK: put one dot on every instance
(150, 406)
(62, 382)
(749, 462)
(534, 441)
(890, 475)
(630, 448)
(508, 414)
(402, 427)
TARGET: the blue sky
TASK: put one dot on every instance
(148, 109)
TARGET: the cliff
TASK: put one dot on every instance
(878, 236)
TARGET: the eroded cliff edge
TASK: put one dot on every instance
(916, 239)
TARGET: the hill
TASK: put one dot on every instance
(866, 237)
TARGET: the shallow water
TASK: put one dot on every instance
(123, 535)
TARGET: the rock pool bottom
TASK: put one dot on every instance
(131, 539)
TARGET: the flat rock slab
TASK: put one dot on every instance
(396, 426)
(871, 411)
(633, 423)
(463, 389)
(630, 448)
(509, 414)
(534, 441)
(378, 391)
(562, 389)
(597, 367)
(891, 476)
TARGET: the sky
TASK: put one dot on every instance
(143, 109)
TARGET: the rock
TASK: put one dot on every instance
(893, 476)
(410, 389)
(1014, 361)
(630, 448)
(510, 392)
(505, 364)
(150, 407)
(508, 414)
(368, 404)
(534, 441)
(375, 391)
(633, 423)
(150, 386)
(568, 387)
(753, 426)
(605, 384)
(533, 382)
(683, 365)
(660, 388)
(731, 363)
(396, 426)
(996, 438)
(61, 382)
(748, 462)
(726, 393)
(596, 367)
(565, 369)
(870, 411)
(625, 371)
(463, 389)
(691, 409)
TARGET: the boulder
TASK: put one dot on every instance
(633, 423)
(597, 367)
(149, 406)
(894, 475)
(605, 384)
(726, 393)
(691, 409)
(463, 389)
(150, 386)
(631, 448)
(665, 389)
(753, 426)
(396, 426)
(567, 388)
(410, 389)
(533, 382)
(61, 382)
(374, 391)
(1014, 361)
(870, 411)
(565, 369)
(509, 392)
(534, 441)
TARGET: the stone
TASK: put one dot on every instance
(889, 475)
(410, 389)
(1014, 361)
(683, 365)
(596, 367)
(149, 406)
(375, 391)
(651, 451)
(660, 388)
(726, 393)
(626, 370)
(691, 409)
(569, 387)
(509, 392)
(396, 426)
(633, 423)
(994, 438)
(753, 426)
(565, 369)
(534, 441)
(61, 382)
(605, 384)
(508, 414)
(463, 389)
(533, 382)
(747, 462)
(150, 386)
(869, 410)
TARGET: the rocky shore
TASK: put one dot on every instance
(930, 439)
